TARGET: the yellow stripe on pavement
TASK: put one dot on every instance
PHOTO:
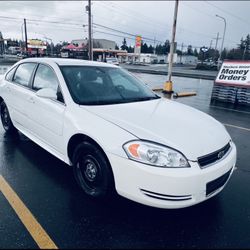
(35, 229)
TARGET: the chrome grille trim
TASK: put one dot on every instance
(212, 158)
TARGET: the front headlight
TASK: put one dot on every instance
(155, 155)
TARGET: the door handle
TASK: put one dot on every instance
(8, 88)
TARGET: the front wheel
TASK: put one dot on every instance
(5, 118)
(92, 171)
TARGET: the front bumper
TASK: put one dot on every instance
(166, 187)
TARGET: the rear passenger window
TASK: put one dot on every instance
(10, 74)
(23, 74)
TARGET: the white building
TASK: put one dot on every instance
(97, 43)
(147, 58)
(161, 58)
(187, 59)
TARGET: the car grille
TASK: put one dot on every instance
(214, 185)
(206, 160)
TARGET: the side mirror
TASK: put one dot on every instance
(47, 93)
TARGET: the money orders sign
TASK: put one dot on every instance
(234, 73)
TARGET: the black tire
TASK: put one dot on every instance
(6, 120)
(92, 171)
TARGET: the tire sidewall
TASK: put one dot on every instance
(86, 149)
(10, 127)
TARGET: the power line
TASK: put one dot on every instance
(126, 33)
(228, 13)
(197, 10)
(154, 22)
(41, 21)
(201, 11)
(11, 18)
(115, 6)
(145, 20)
(107, 33)
(78, 25)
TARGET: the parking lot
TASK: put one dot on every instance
(54, 213)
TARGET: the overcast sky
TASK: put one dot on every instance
(196, 25)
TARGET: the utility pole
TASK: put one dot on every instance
(216, 43)
(90, 31)
(181, 52)
(211, 42)
(168, 86)
(217, 39)
(25, 33)
(154, 45)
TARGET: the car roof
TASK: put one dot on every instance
(67, 62)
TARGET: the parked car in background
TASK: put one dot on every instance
(208, 64)
(22, 55)
(116, 133)
(112, 60)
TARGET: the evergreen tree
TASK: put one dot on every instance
(124, 44)
(130, 49)
(190, 50)
(166, 47)
(195, 52)
(224, 54)
(151, 49)
(159, 49)
(179, 52)
(144, 48)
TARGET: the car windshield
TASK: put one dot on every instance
(91, 85)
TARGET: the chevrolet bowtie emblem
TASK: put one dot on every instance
(220, 154)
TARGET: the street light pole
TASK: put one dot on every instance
(222, 43)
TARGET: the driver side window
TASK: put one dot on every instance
(46, 78)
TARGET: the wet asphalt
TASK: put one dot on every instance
(47, 188)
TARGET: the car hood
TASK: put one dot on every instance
(176, 125)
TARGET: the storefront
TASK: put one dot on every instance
(101, 54)
(72, 51)
(36, 47)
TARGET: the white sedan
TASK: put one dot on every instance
(116, 133)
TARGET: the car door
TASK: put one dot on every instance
(47, 115)
(19, 90)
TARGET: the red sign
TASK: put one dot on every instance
(138, 41)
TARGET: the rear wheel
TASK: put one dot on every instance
(6, 120)
(92, 171)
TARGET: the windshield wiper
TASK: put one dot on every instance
(119, 101)
(140, 99)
